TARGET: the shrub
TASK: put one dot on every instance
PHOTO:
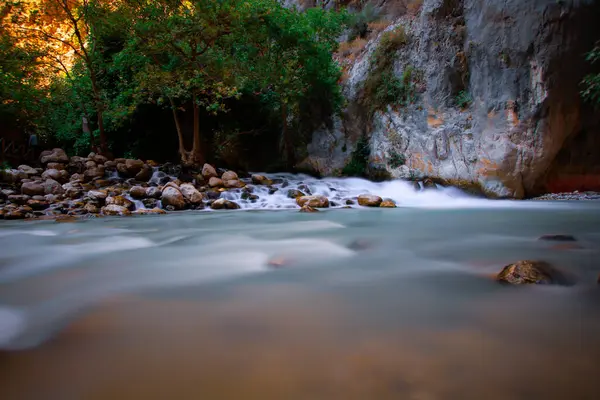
(591, 83)
(463, 99)
(396, 159)
(359, 25)
(357, 166)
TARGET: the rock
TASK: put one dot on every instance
(349, 202)
(12, 214)
(99, 159)
(224, 204)
(388, 203)
(171, 196)
(308, 209)
(58, 166)
(133, 167)
(110, 165)
(313, 201)
(213, 194)
(91, 208)
(66, 218)
(138, 192)
(27, 170)
(38, 205)
(153, 192)
(234, 184)
(215, 182)
(558, 238)
(98, 195)
(52, 187)
(54, 155)
(249, 196)
(93, 173)
(369, 200)
(261, 180)
(144, 175)
(90, 164)
(191, 194)
(73, 190)
(150, 203)
(273, 190)
(120, 201)
(153, 211)
(77, 178)
(115, 210)
(229, 176)
(59, 176)
(152, 163)
(530, 272)
(122, 168)
(18, 199)
(32, 189)
(294, 194)
(120, 160)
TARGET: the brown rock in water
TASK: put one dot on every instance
(153, 211)
(93, 173)
(294, 194)
(261, 180)
(215, 182)
(208, 171)
(234, 184)
(172, 196)
(308, 209)
(133, 167)
(115, 210)
(91, 208)
(120, 201)
(529, 272)
(32, 189)
(223, 204)
(191, 194)
(144, 175)
(369, 200)
(313, 201)
(138, 192)
(388, 203)
(229, 176)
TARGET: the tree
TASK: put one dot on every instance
(591, 83)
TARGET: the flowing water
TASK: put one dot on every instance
(341, 304)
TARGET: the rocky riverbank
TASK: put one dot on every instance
(70, 187)
(570, 196)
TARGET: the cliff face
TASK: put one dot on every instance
(497, 101)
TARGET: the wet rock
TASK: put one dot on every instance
(77, 178)
(59, 176)
(558, 238)
(369, 200)
(99, 195)
(229, 176)
(261, 180)
(32, 189)
(144, 175)
(416, 186)
(305, 189)
(191, 194)
(234, 184)
(115, 210)
(313, 201)
(65, 218)
(57, 166)
(122, 169)
(153, 192)
(349, 202)
(90, 164)
(150, 203)
(224, 204)
(529, 272)
(171, 196)
(27, 170)
(294, 194)
(152, 211)
(93, 173)
(52, 187)
(12, 214)
(273, 190)
(213, 194)
(120, 201)
(133, 167)
(54, 155)
(73, 190)
(208, 171)
(138, 192)
(98, 158)
(308, 209)
(249, 196)
(388, 203)
(215, 182)
(110, 165)
(38, 205)
(91, 208)
(429, 184)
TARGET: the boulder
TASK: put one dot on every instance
(261, 180)
(133, 167)
(429, 184)
(171, 196)
(349, 202)
(234, 184)
(369, 200)
(93, 173)
(98, 195)
(77, 178)
(120, 201)
(191, 194)
(11, 214)
(20, 199)
(54, 155)
(122, 168)
(54, 165)
(27, 170)
(98, 158)
(153, 192)
(61, 176)
(114, 209)
(229, 176)
(138, 192)
(144, 175)
(32, 189)
(388, 203)
(215, 182)
(38, 205)
(52, 187)
(150, 202)
(308, 209)
(153, 211)
(294, 194)
(313, 201)
(73, 190)
(91, 208)
(224, 204)
(529, 272)
(90, 164)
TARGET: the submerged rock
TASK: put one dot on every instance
(115, 210)
(530, 272)
(369, 200)
(261, 180)
(308, 209)
(294, 194)
(224, 204)
(388, 203)
(120, 201)
(138, 192)
(313, 201)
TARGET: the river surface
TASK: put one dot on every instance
(341, 304)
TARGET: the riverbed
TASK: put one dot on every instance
(340, 304)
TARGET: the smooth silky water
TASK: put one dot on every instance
(340, 304)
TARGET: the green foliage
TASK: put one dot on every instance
(382, 87)
(359, 22)
(591, 83)
(396, 160)
(463, 99)
(357, 166)
(4, 166)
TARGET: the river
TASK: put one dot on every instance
(340, 304)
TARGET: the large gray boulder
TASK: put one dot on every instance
(191, 194)
(172, 196)
(54, 155)
(32, 189)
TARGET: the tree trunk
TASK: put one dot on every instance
(182, 151)
(197, 156)
(99, 112)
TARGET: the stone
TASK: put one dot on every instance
(133, 167)
(20, 199)
(115, 210)
(349, 202)
(229, 176)
(261, 180)
(32, 189)
(77, 178)
(120, 201)
(12, 214)
(191, 194)
(172, 196)
(294, 194)
(138, 192)
(152, 211)
(529, 272)
(58, 166)
(224, 204)
(388, 203)
(234, 184)
(122, 168)
(558, 238)
(90, 164)
(313, 201)
(59, 176)
(429, 184)
(27, 170)
(72, 190)
(215, 182)
(54, 155)
(93, 173)
(153, 192)
(91, 208)
(212, 194)
(52, 187)
(99, 159)
(249, 196)
(99, 195)
(150, 202)
(144, 175)
(308, 209)
(369, 200)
